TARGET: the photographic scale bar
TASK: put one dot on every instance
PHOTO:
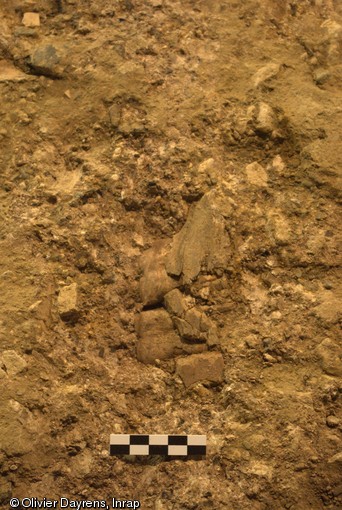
(153, 444)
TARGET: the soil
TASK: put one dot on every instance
(117, 119)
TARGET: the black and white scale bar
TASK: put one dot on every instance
(153, 444)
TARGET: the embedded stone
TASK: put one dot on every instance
(202, 243)
(329, 353)
(45, 61)
(265, 73)
(31, 19)
(175, 303)
(256, 174)
(12, 363)
(208, 366)
(157, 338)
(266, 120)
(67, 303)
(155, 282)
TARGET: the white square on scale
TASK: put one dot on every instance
(178, 449)
(119, 439)
(139, 449)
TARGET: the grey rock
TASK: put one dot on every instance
(25, 32)
(208, 366)
(155, 282)
(45, 61)
(157, 338)
(12, 363)
(68, 303)
(202, 243)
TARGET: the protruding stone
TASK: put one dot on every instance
(176, 303)
(31, 19)
(67, 303)
(332, 421)
(330, 357)
(256, 174)
(10, 73)
(266, 120)
(155, 282)
(115, 115)
(336, 459)
(202, 243)
(12, 363)
(187, 331)
(265, 73)
(157, 338)
(45, 61)
(208, 366)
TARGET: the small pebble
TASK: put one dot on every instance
(332, 421)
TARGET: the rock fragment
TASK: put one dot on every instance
(115, 115)
(157, 338)
(208, 366)
(192, 324)
(336, 459)
(256, 174)
(202, 243)
(10, 73)
(12, 363)
(31, 19)
(266, 120)
(67, 303)
(176, 303)
(45, 61)
(329, 353)
(155, 282)
(265, 73)
(332, 421)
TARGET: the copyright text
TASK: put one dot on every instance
(73, 503)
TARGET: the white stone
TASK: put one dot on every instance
(12, 363)
(265, 73)
(256, 174)
(31, 19)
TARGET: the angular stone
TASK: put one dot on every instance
(31, 19)
(155, 282)
(175, 303)
(332, 421)
(329, 307)
(265, 73)
(115, 115)
(186, 330)
(329, 353)
(67, 303)
(157, 338)
(336, 459)
(194, 317)
(208, 366)
(202, 243)
(12, 363)
(266, 120)
(256, 174)
(46, 61)
(10, 73)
